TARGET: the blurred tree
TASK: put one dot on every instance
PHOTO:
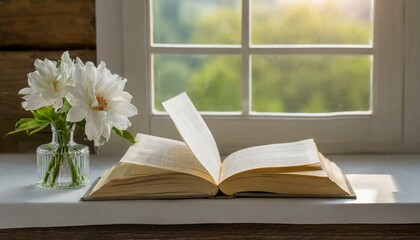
(286, 83)
(169, 22)
(217, 86)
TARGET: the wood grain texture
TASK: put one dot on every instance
(47, 24)
(221, 231)
(14, 67)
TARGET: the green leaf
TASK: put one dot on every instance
(44, 114)
(22, 121)
(65, 108)
(27, 124)
(47, 114)
(125, 134)
(117, 131)
(42, 126)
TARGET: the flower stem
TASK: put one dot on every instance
(50, 167)
(59, 159)
(75, 176)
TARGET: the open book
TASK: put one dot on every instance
(157, 168)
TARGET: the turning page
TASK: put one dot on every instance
(195, 132)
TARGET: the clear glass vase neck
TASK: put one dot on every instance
(63, 135)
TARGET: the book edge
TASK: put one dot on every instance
(86, 197)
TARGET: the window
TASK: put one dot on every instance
(270, 56)
(356, 97)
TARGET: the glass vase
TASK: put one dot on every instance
(62, 163)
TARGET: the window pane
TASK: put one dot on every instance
(310, 84)
(197, 22)
(212, 82)
(311, 21)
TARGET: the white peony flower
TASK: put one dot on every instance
(98, 96)
(47, 85)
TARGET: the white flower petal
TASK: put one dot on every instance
(33, 77)
(123, 108)
(25, 91)
(61, 85)
(91, 71)
(121, 83)
(76, 114)
(79, 74)
(106, 90)
(76, 95)
(37, 81)
(51, 67)
(40, 67)
(119, 121)
(126, 96)
(65, 57)
(58, 103)
(106, 131)
(101, 66)
(93, 127)
(35, 103)
(79, 62)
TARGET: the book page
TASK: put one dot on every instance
(335, 174)
(166, 154)
(269, 156)
(195, 132)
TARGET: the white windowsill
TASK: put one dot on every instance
(387, 188)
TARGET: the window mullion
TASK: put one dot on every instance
(313, 49)
(195, 49)
(246, 60)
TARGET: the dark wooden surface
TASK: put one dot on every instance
(35, 29)
(220, 231)
(47, 24)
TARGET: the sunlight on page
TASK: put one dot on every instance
(275, 155)
(165, 153)
(195, 132)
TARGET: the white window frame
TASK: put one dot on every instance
(123, 42)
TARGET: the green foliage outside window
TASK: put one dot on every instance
(280, 83)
